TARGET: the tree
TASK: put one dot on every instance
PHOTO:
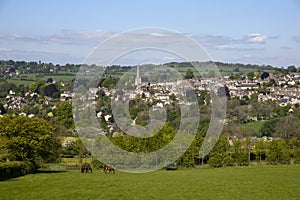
(251, 75)
(109, 83)
(288, 127)
(237, 69)
(264, 75)
(28, 139)
(239, 154)
(220, 155)
(173, 97)
(189, 74)
(5, 87)
(278, 152)
(35, 86)
(292, 68)
(268, 128)
(49, 80)
(2, 109)
(271, 82)
(51, 91)
(64, 114)
(260, 150)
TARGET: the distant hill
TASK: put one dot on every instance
(21, 72)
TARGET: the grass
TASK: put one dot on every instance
(76, 160)
(59, 78)
(19, 82)
(268, 182)
(255, 125)
(26, 79)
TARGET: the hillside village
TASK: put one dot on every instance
(262, 105)
(282, 89)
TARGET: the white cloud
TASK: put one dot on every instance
(78, 37)
(214, 40)
(157, 34)
(93, 38)
(256, 38)
(221, 47)
(16, 37)
(4, 49)
(76, 45)
(69, 37)
(45, 56)
(168, 58)
(236, 48)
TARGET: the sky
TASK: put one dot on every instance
(256, 32)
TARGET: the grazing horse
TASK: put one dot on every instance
(86, 167)
(108, 169)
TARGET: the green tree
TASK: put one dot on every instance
(189, 74)
(5, 87)
(109, 83)
(278, 152)
(2, 109)
(260, 150)
(28, 139)
(64, 115)
(288, 127)
(264, 75)
(220, 154)
(143, 96)
(173, 97)
(35, 86)
(239, 154)
(294, 148)
(251, 75)
(237, 69)
(268, 128)
(292, 68)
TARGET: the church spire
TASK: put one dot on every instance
(138, 79)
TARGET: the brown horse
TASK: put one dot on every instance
(108, 169)
(86, 168)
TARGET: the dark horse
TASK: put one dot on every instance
(108, 169)
(86, 167)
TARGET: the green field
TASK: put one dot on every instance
(266, 182)
(255, 125)
(26, 79)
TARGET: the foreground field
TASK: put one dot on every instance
(279, 182)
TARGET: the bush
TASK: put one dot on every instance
(97, 164)
(214, 161)
(278, 152)
(13, 169)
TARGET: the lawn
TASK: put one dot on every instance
(255, 125)
(268, 182)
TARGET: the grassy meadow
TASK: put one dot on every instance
(26, 79)
(260, 182)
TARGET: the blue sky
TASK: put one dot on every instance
(258, 32)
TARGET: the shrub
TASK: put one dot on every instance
(97, 164)
(14, 169)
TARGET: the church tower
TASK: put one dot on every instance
(138, 79)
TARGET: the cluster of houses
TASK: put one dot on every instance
(285, 90)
